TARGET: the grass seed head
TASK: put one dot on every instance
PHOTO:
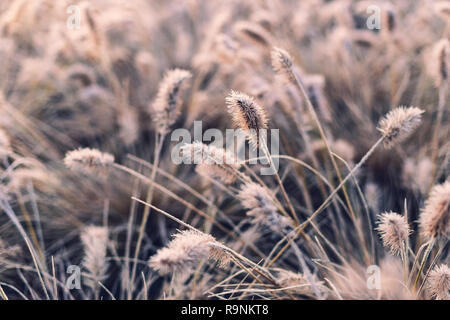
(88, 160)
(165, 108)
(438, 283)
(435, 216)
(399, 124)
(394, 231)
(183, 252)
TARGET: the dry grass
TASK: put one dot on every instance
(103, 100)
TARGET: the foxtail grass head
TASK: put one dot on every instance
(283, 64)
(399, 124)
(184, 252)
(247, 114)
(435, 216)
(166, 107)
(394, 231)
(438, 283)
(88, 160)
(95, 243)
(212, 161)
(262, 209)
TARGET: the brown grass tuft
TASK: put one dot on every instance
(212, 161)
(262, 209)
(95, 241)
(165, 109)
(282, 64)
(88, 160)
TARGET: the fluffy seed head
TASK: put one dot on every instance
(183, 252)
(165, 108)
(282, 63)
(298, 281)
(438, 283)
(199, 152)
(261, 207)
(95, 241)
(399, 123)
(212, 161)
(215, 172)
(441, 61)
(88, 160)
(394, 231)
(247, 114)
(257, 199)
(435, 217)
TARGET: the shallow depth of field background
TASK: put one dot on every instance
(65, 87)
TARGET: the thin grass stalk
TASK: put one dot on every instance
(301, 227)
(304, 164)
(233, 254)
(277, 177)
(33, 253)
(149, 198)
(30, 226)
(186, 187)
(424, 260)
(313, 113)
(438, 254)
(129, 236)
(183, 185)
(55, 290)
(406, 251)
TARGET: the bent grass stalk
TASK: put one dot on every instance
(188, 205)
(301, 227)
(233, 254)
(277, 177)
(304, 95)
(183, 185)
(33, 253)
(366, 210)
(149, 197)
(304, 164)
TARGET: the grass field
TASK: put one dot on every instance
(100, 200)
